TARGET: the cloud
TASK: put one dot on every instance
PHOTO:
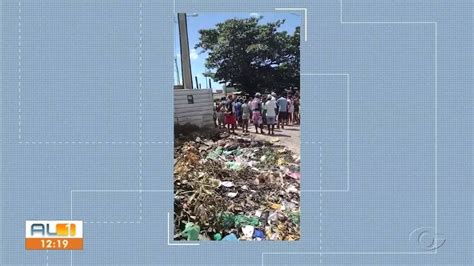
(193, 54)
(254, 15)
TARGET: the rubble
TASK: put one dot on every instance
(236, 188)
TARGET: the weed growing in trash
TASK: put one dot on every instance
(236, 188)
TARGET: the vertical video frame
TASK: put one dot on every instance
(237, 126)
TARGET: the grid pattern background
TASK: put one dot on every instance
(81, 137)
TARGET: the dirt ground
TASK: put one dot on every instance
(289, 137)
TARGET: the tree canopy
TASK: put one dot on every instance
(251, 56)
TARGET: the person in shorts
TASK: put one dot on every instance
(220, 108)
(296, 113)
(282, 111)
(245, 116)
(271, 108)
(238, 111)
(257, 113)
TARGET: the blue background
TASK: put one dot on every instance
(386, 136)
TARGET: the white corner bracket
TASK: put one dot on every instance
(305, 17)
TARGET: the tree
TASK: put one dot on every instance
(250, 56)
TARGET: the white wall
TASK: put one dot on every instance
(200, 113)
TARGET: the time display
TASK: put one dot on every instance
(54, 243)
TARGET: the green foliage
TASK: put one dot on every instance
(250, 56)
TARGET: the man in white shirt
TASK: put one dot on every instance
(271, 108)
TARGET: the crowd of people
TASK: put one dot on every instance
(269, 110)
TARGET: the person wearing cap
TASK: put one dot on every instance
(274, 95)
(257, 112)
(271, 108)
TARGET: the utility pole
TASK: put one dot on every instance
(184, 46)
(177, 71)
(197, 83)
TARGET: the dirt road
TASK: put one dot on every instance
(289, 137)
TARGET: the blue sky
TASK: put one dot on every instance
(200, 21)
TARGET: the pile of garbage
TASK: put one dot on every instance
(236, 188)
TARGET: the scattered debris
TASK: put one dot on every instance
(217, 237)
(247, 232)
(227, 184)
(232, 194)
(258, 235)
(233, 188)
(230, 237)
(191, 231)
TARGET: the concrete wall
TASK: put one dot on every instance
(199, 113)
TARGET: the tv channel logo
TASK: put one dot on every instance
(54, 235)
